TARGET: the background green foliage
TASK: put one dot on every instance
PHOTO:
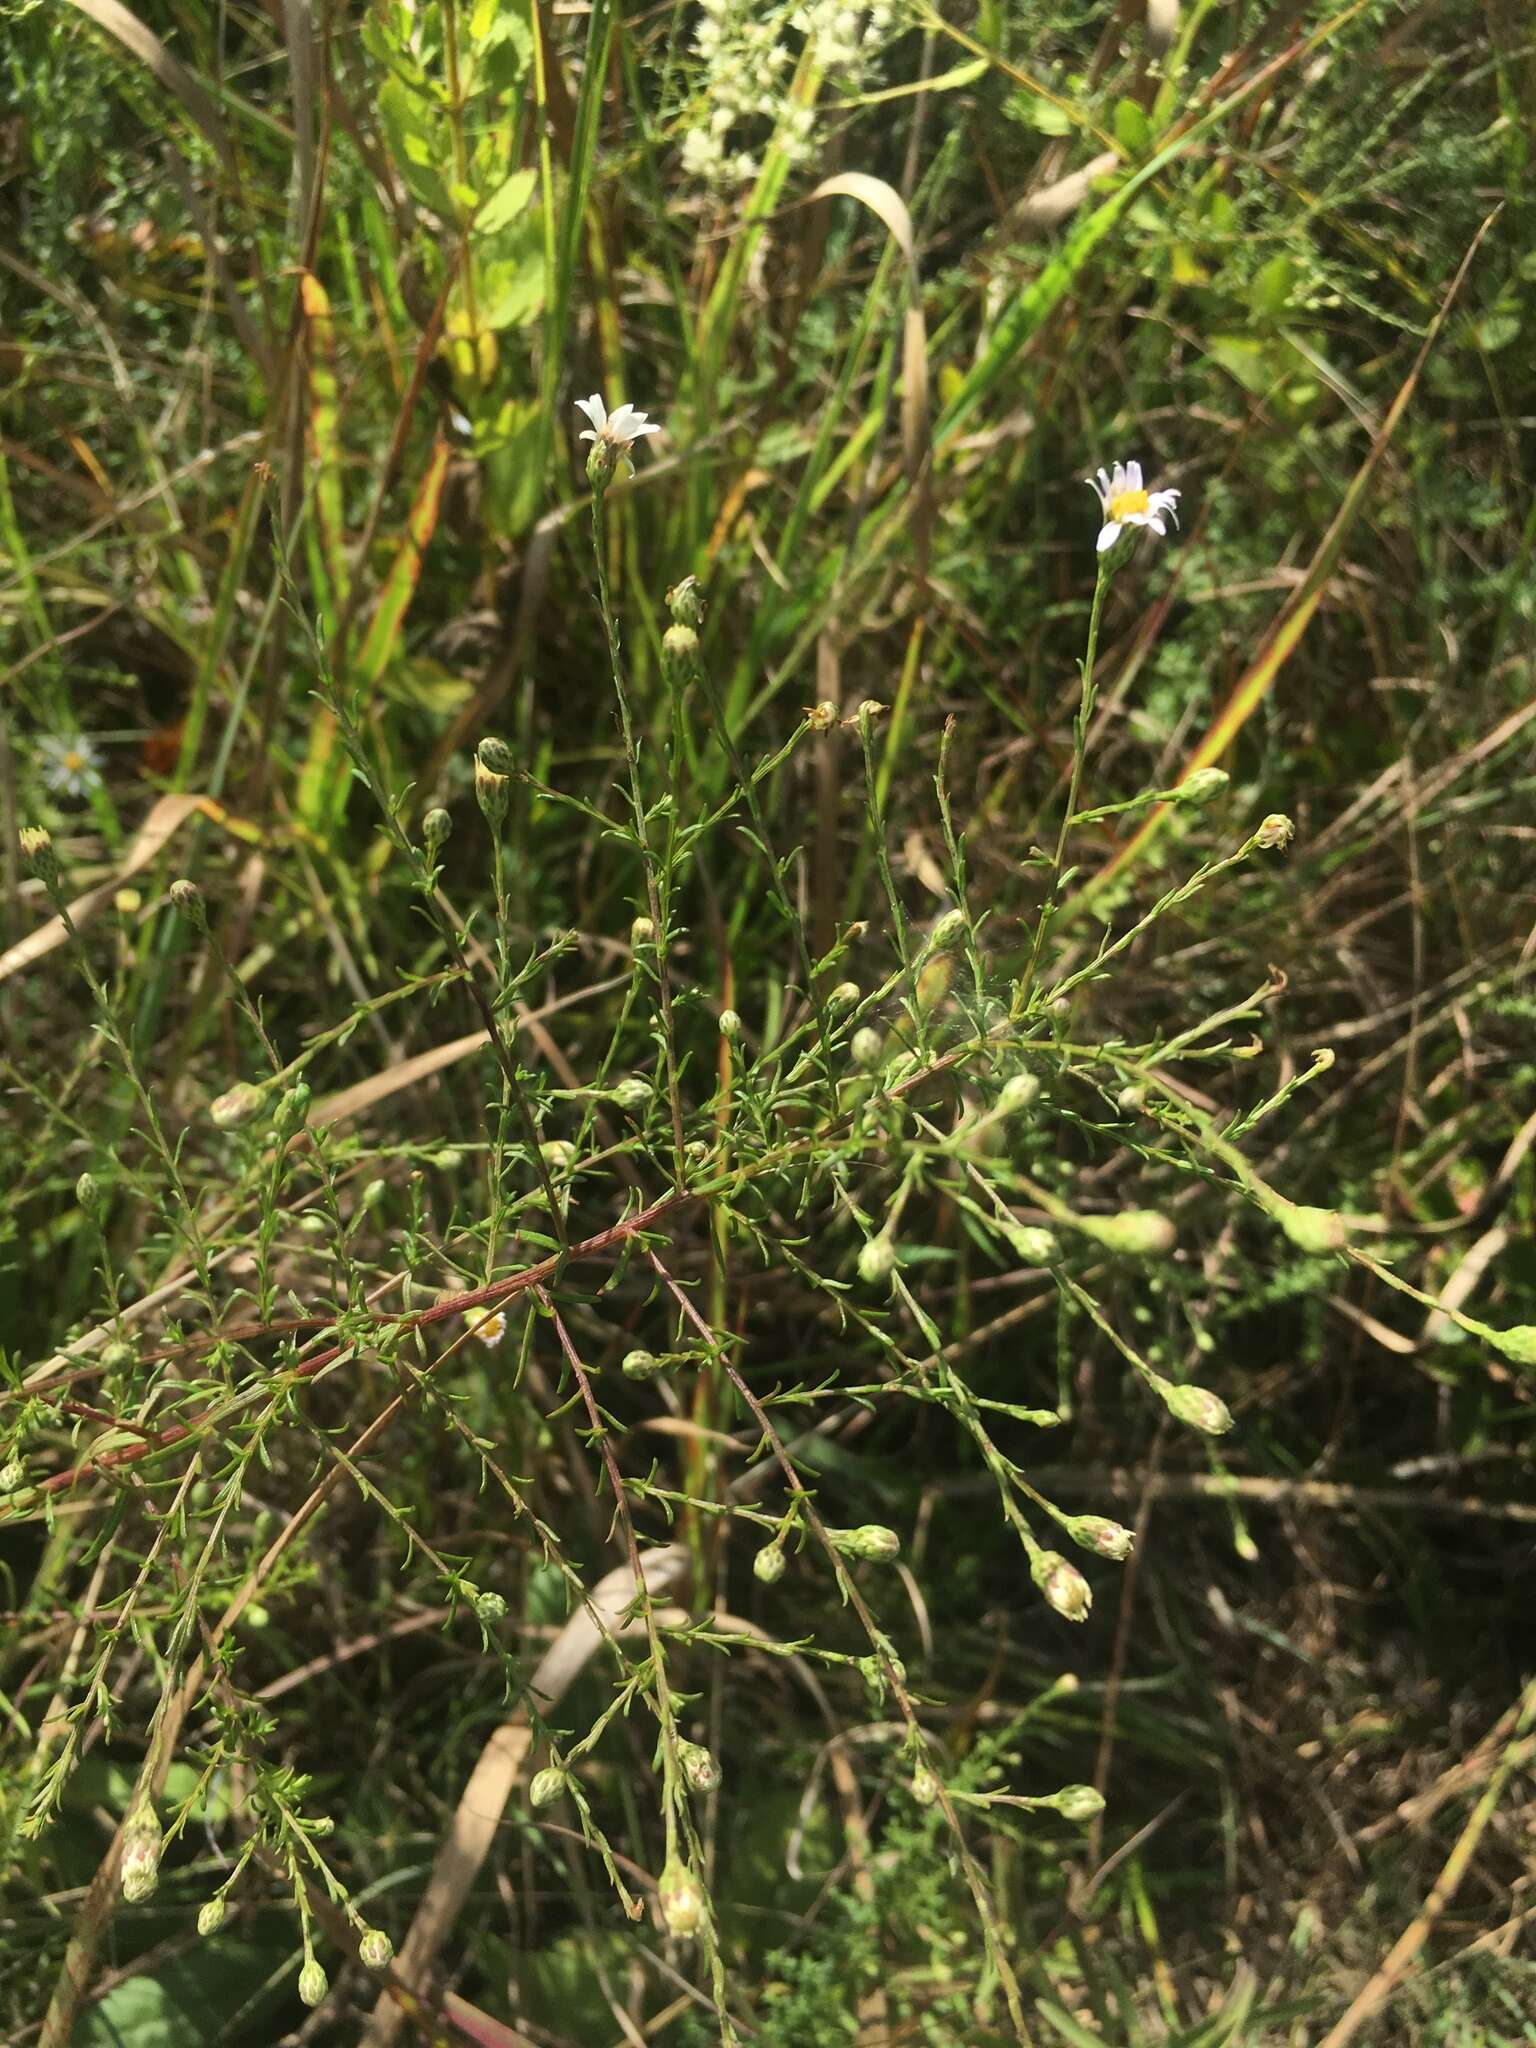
(287, 427)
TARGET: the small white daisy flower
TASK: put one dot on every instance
(489, 1329)
(1126, 501)
(70, 763)
(612, 435)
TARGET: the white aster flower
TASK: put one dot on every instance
(489, 1329)
(1127, 502)
(70, 763)
(612, 435)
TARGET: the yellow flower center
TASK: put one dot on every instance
(74, 761)
(1127, 502)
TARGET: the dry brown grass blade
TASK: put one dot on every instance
(494, 1779)
(144, 44)
(165, 820)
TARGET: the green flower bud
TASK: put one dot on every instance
(641, 1364)
(1197, 1406)
(769, 1563)
(877, 1259)
(699, 1767)
(925, 1786)
(1036, 1247)
(139, 1871)
(1063, 1585)
(495, 756)
(88, 1194)
(602, 461)
(436, 830)
(685, 601)
(12, 1476)
(492, 793)
(1201, 788)
(949, 931)
(559, 1155)
(844, 996)
(1517, 1343)
(236, 1106)
(210, 1917)
(1102, 1536)
(375, 1194)
(188, 899)
(1018, 1092)
(292, 1108)
(873, 1542)
(1313, 1230)
(1077, 1802)
(682, 1899)
(1137, 1233)
(1131, 1099)
(642, 933)
(118, 1355)
(866, 1046)
(632, 1094)
(375, 1951)
(490, 1609)
(313, 1984)
(730, 1024)
(548, 1786)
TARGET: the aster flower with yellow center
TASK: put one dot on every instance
(70, 763)
(1126, 501)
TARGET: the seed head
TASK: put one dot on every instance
(682, 1899)
(375, 1951)
(1102, 1536)
(1063, 1585)
(313, 1984)
(236, 1106)
(548, 1786)
(210, 1917)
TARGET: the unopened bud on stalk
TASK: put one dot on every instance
(12, 1476)
(679, 653)
(1277, 830)
(140, 1869)
(685, 601)
(1313, 1230)
(436, 831)
(1131, 1099)
(313, 1984)
(492, 794)
(730, 1024)
(641, 1365)
(1019, 1092)
(844, 996)
(210, 1917)
(682, 1899)
(1198, 1407)
(292, 1108)
(1102, 1536)
(949, 931)
(558, 1154)
(877, 1258)
(1036, 1247)
(88, 1194)
(495, 755)
(872, 1542)
(548, 1786)
(642, 933)
(699, 1766)
(490, 1609)
(1063, 1585)
(38, 852)
(866, 1046)
(769, 1563)
(117, 1356)
(925, 1786)
(1203, 787)
(1077, 1802)
(188, 899)
(632, 1093)
(236, 1106)
(375, 1951)
(1138, 1233)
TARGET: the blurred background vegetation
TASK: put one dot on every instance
(296, 300)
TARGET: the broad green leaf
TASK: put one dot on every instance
(1133, 131)
(504, 206)
(1271, 290)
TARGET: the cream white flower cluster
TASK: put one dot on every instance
(747, 52)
